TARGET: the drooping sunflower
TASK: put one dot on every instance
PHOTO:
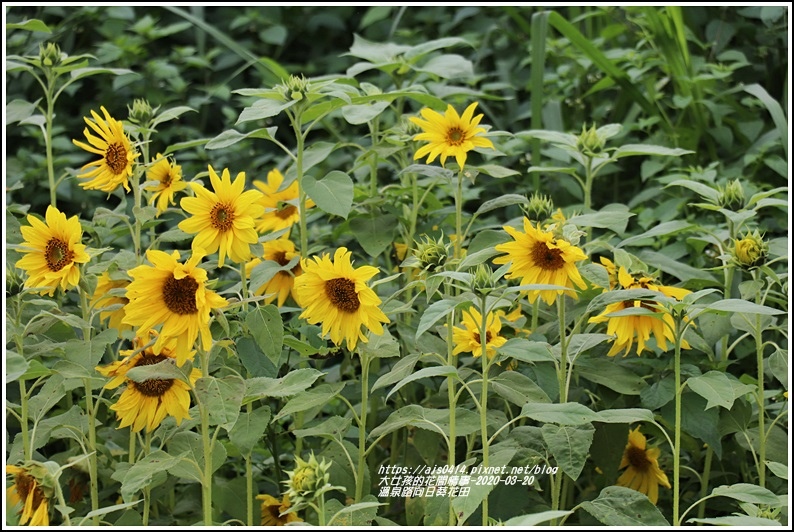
(336, 295)
(642, 467)
(449, 135)
(102, 299)
(174, 295)
(538, 257)
(28, 491)
(656, 321)
(281, 206)
(282, 283)
(272, 510)
(115, 150)
(468, 338)
(52, 252)
(169, 177)
(223, 219)
(145, 404)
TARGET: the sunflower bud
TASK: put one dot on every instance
(538, 207)
(590, 142)
(732, 196)
(50, 54)
(140, 112)
(482, 281)
(432, 254)
(295, 88)
(307, 479)
(750, 252)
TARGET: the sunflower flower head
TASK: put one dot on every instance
(282, 284)
(167, 176)
(642, 467)
(146, 403)
(280, 203)
(432, 254)
(640, 326)
(141, 112)
(53, 252)
(538, 207)
(750, 251)
(33, 490)
(223, 219)
(540, 257)
(116, 153)
(50, 55)
(732, 195)
(336, 295)
(277, 512)
(468, 338)
(173, 295)
(114, 303)
(307, 479)
(450, 134)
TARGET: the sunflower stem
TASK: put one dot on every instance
(244, 282)
(704, 481)
(484, 395)
(459, 215)
(249, 476)
(147, 491)
(48, 137)
(133, 440)
(373, 162)
(677, 438)
(759, 354)
(27, 452)
(62, 503)
(362, 427)
(206, 481)
(562, 382)
(92, 463)
(452, 398)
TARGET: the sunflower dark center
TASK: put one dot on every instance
(274, 512)
(286, 211)
(342, 293)
(222, 217)
(281, 258)
(638, 458)
(167, 178)
(25, 484)
(152, 387)
(116, 158)
(487, 337)
(57, 254)
(547, 258)
(455, 136)
(179, 295)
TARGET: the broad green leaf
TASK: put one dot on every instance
(478, 257)
(318, 396)
(448, 66)
(775, 109)
(433, 313)
(50, 393)
(253, 359)
(381, 346)
(334, 427)
(740, 521)
(264, 324)
(625, 415)
(648, 149)
(435, 420)
(747, 493)
(778, 469)
(501, 202)
(262, 109)
(518, 388)
(231, 136)
(582, 343)
(249, 429)
(357, 114)
(333, 193)
(433, 371)
(293, 382)
(223, 397)
(609, 373)
(697, 421)
(359, 514)
(16, 366)
(401, 369)
(662, 229)
(18, 110)
(674, 267)
(526, 350)
(609, 443)
(374, 232)
(562, 414)
(715, 387)
(109, 509)
(494, 170)
(615, 220)
(163, 370)
(81, 73)
(619, 506)
(569, 446)
(778, 364)
(742, 306)
(171, 114)
(705, 191)
(658, 394)
(148, 471)
(188, 446)
(536, 519)
(32, 24)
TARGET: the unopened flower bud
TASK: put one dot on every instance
(482, 281)
(590, 142)
(538, 207)
(750, 251)
(295, 88)
(432, 254)
(732, 196)
(50, 54)
(140, 112)
(306, 479)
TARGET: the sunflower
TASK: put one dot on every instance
(101, 299)
(656, 321)
(272, 509)
(224, 219)
(449, 135)
(146, 403)
(27, 489)
(52, 252)
(469, 340)
(336, 295)
(169, 177)
(281, 210)
(174, 295)
(642, 468)
(282, 283)
(612, 272)
(116, 154)
(539, 258)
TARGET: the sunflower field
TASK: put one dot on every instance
(396, 265)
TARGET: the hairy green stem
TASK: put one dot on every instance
(562, 382)
(48, 140)
(484, 396)
(133, 441)
(452, 399)
(27, 452)
(206, 444)
(704, 481)
(679, 331)
(362, 427)
(459, 215)
(147, 491)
